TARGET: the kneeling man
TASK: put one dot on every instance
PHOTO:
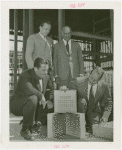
(94, 98)
(29, 95)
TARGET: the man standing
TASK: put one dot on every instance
(29, 94)
(68, 61)
(94, 98)
(39, 45)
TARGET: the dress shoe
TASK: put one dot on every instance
(27, 134)
(36, 127)
(89, 130)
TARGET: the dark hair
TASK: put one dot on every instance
(44, 21)
(39, 61)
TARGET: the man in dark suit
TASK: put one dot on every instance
(68, 60)
(29, 96)
(39, 45)
(94, 98)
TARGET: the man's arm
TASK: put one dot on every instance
(50, 83)
(107, 103)
(55, 57)
(80, 60)
(28, 87)
(29, 51)
(50, 94)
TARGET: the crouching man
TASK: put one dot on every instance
(94, 98)
(28, 99)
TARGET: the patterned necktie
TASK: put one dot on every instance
(47, 45)
(67, 47)
(91, 103)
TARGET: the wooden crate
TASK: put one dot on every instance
(65, 102)
(66, 124)
(104, 131)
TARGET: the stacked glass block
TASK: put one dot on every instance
(65, 120)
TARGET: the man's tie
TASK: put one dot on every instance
(45, 45)
(91, 103)
(67, 47)
(93, 117)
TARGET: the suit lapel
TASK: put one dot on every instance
(83, 89)
(86, 90)
(40, 38)
(63, 47)
(72, 47)
(38, 85)
(44, 82)
(98, 92)
(48, 41)
(36, 80)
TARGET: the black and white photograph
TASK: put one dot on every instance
(62, 75)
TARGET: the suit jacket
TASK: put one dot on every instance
(103, 100)
(28, 84)
(61, 60)
(37, 47)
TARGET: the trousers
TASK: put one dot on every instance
(65, 82)
(92, 117)
(31, 110)
(27, 110)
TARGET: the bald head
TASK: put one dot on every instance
(96, 75)
(66, 28)
(66, 33)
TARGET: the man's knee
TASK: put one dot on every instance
(33, 99)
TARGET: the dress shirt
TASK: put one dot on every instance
(40, 81)
(44, 38)
(70, 51)
(69, 42)
(70, 63)
(94, 89)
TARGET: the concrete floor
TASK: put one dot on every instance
(42, 136)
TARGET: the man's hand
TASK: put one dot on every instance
(40, 102)
(103, 121)
(43, 101)
(63, 88)
(49, 104)
(80, 79)
(56, 80)
(55, 85)
(84, 101)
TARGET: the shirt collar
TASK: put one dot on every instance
(93, 85)
(42, 36)
(65, 42)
